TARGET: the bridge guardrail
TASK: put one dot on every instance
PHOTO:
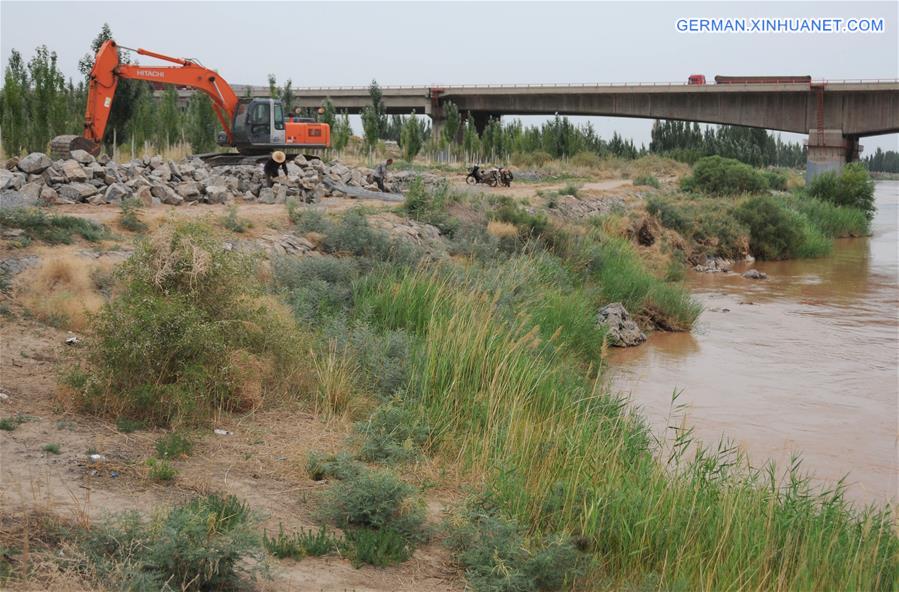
(576, 84)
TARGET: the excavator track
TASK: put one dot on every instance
(235, 158)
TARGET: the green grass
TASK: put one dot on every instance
(161, 470)
(559, 454)
(51, 228)
(832, 220)
(647, 180)
(51, 448)
(174, 445)
(303, 543)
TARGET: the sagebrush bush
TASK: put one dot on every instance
(497, 557)
(715, 175)
(853, 187)
(317, 287)
(393, 434)
(339, 466)
(381, 357)
(203, 544)
(377, 500)
(188, 335)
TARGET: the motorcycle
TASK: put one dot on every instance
(477, 175)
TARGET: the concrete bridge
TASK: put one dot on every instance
(834, 114)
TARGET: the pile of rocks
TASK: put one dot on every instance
(623, 330)
(36, 179)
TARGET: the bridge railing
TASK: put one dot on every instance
(564, 85)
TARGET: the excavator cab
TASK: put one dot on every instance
(260, 126)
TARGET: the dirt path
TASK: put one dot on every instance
(262, 462)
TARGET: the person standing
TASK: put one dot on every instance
(381, 173)
(277, 161)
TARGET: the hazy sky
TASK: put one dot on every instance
(334, 43)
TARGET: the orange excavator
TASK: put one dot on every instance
(253, 126)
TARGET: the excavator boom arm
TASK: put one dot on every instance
(108, 70)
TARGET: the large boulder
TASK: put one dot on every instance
(35, 163)
(145, 195)
(755, 274)
(623, 331)
(49, 195)
(31, 191)
(166, 195)
(86, 190)
(73, 171)
(188, 190)
(218, 194)
(10, 180)
(117, 192)
(82, 156)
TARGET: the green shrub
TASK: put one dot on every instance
(773, 232)
(853, 187)
(317, 287)
(776, 180)
(352, 235)
(53, 229)
(208, 543)
(235, 224)
(51, 448)
(378, 547)
(185, 335)
(339, 466)
(173, 445)
(307, 220)
(715, 175)
(129, 219)
(382, 358)
(378, 500)
(161, 470)
(392, 434)
(301, 544)
(648, 180)
(127, 426)
(569, 189)
(430, 206)
(497, 557)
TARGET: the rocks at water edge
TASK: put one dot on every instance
(755, 274)
(623, 331)
(714, 265)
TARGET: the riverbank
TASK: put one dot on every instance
(444, 357)
(803, 362)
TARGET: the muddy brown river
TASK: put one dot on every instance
(805, 361)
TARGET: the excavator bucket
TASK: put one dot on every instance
(61, 146)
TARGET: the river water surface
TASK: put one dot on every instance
(805, 361)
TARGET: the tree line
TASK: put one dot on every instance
(37, 103)
(883, 161)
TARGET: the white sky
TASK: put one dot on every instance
(342, 43)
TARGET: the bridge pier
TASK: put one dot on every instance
(829, 150)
